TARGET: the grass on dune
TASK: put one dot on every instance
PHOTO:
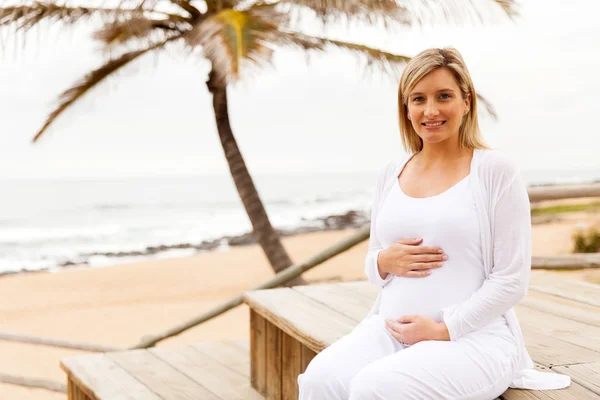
(566, 208)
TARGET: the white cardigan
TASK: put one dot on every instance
(505, 223)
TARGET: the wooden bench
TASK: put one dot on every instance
(560, 320)
(203, 371)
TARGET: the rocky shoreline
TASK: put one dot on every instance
(348, 220)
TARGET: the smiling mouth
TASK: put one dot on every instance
(433, 124)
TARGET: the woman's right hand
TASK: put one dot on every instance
(406, 258)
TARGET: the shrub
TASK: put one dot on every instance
(586, 241)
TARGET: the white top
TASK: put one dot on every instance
(504, 217)
(448, 220)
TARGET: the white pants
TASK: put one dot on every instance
(369, 363)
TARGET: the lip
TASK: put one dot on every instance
(433, 128)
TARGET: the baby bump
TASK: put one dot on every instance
(421, 296)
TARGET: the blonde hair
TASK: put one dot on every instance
(422, 64)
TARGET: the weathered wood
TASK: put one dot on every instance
(53, 342)
(551, 351)
(563, 192)
(307, 356)
(33, 383)
(77, 393)
(291, 366)
(103, 379)
(233, 354)
(583, 292)
(335, 296)
(562, 307)
(159, 376)
(208, 372)
(274, 362)
(301, 317)
(258, 352)
(587, 375)
(566, 261)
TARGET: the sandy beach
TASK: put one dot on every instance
(121, 304)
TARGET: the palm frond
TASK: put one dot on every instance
(508, 6)
(370, 11)
(187, 6)
(487, 105)
(92, 80)
(27, 16)
(139, 27)
(232, 37)
(385, 61)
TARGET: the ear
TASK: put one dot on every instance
(407, 113)
(467, 104)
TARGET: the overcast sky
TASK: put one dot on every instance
(156, 118)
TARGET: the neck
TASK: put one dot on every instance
(443, 153)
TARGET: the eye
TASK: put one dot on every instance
(418, 99)
(445, 96)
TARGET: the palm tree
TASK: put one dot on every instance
(233, 35)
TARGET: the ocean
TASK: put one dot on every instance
(51, 224)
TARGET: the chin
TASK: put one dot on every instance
(429, 138)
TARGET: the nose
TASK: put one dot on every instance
(431, 110)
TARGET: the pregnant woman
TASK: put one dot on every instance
(451, 248)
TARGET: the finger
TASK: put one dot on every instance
(428, 257)
(411, 242)
(394, 325)
(418, 274)
(421, 266)
(407, 319)
(395, 335)
(424, 250)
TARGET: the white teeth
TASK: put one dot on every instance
(434, 124)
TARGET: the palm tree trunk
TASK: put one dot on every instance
(267, 237)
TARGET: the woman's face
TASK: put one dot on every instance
(436, 106)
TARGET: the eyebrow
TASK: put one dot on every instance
(438, 91)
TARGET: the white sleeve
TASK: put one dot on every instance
(507, 283)
(371, 268)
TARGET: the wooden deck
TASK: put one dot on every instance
(204, 371)
(560, 319)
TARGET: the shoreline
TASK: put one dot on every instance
(351, 219)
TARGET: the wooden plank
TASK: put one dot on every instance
(291, 366)
(570, 331)
(243, 344)
(274, 362)
(340, 298)
(562, 307)
(167, 382)
(258, 352)
(583, 292)
(301, 317)
(209, 373)
(233, 354)
(227, 353)
(587, 375)
(551, 351)
(103, 379)
(307, 356)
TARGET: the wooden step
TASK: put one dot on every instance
(202, 371)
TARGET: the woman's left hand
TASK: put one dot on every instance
(411, 329)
